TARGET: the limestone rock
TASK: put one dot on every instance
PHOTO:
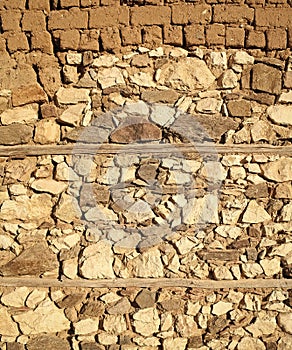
(201, 210)
(283, 190)
(285, 321)
(32, 261)
(209, 105)
(251, 269)
(146, 321)
(46, 318)
(280, 114)
(286, 213)
(68, 209)
(142, 79)
(87, 326)
(97, 261)
(49, 186)
(72, 115)
(105, 61)
(24, 115)
(262, 130)
(47, 131)
(100, 214)
(187, 74)
(15, 298)
(286, 97)
(185, 325)
(228, 80)
(247, 343)
(123, 306)
(15, 134)
(28, 94)
(37, 209)
(242, 57)
(110, 77)
(222, 273)
(68, 96)
(114, 324)
(162, 115)
(266, 78)
(163, 96)
(271, 267)
(254, 213)
(279, 170)
(48, 342)
(148, 264)
(175, 343)
(7, 326)
(221, 308)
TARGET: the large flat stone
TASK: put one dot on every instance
(266, 78)
(280, 114)
(15, 134)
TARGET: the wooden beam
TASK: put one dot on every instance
(204, 149)
(145, 283)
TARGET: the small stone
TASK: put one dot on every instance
(142, 79)
(243, 58)
(262, 130)
(145, 299)
(185, 325)
(72, 95)
(271, 267)
(251, 269)
(97, 261)
(254, 213)
(107, 339)
(70, 74)
(222, 273)
(86, 326)
(16, 298)
(7, 326)
(280, 114)
(48, 342)
(262, 326)
(23, 95)
(32, 261)
(74, 58)
(240, 108)
(162, 115)
(15, 134)
(148, 264)
(175, 343)
(247, 343)
(72, 115)
(286, 213)
(47, 131)
(209, 106)
(286, 97)
(24, 115)
(283, 190)
(114, 324)
(49, 186)
(68, 209)
(105, 61)
(228, 80)
(123, 306)
(285, 321)
(279, 170)
(221, 308)
(184, 245)
(146, 321)
(46, 318)
(266, 78)
(109, 77)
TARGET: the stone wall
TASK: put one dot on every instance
(143, 78)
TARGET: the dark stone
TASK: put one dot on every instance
(257, 191)
(271, 346)
(266, 78)
(34, 261)
(252, 254)
(195, 342)
(123, 306)
(15, 134)
(92, 309)
(91, 346)
(145, 299)
(71, 300)
(172, 304)
(217, 324)
(14, 346)
(48, 342)
(242, 243)
(226, 255)
(164, 96)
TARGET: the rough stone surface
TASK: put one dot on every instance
(279, 170)
(280, 114)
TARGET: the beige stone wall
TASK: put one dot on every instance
(75, 73)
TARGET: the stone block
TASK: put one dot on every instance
(276, 38)
(131, 36)
(266, 78)
(173, 35)
(235, 37)
(215, 34)
(194, 35)
(150, 15)
(190, 13)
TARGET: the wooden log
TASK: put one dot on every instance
(203, 149)
(145, 283)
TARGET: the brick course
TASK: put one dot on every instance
(189, 13)
(150, 15)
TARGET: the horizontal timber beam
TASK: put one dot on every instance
(167, 148)
(145, 283)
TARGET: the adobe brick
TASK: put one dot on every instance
(89, 40)
(255, 39)
(288, 80)
(276, 39)
(173, 35)
(33, 21)
(102, 17)
(154, 2)
(190, 13)
(13, 4)
(10, 20)
(88, 3)
(273, 17)
(72, 19)
(233, 14)
(42, 41)
(110, 2)
(215, 34)
(131, 36)
(39, 5)
(235, 37)
(69, 39)
(17, 42)
(194, 35)
(290, 37)
(150, 15)
(110, 39)
(152, 36)
(69, 3)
